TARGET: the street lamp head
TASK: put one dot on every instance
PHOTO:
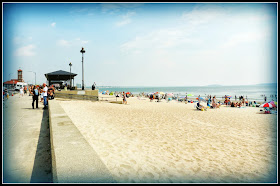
(83, 50)
(70, 64)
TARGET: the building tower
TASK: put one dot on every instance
(20, 75)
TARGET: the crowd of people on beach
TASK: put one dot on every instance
(211, 101)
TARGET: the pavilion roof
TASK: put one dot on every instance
(60, 75)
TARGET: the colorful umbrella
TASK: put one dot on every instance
(161, 93)
(200, 98)
(227, 96)
(189, 95)
(272, 103)
(128, 93)
(267, 105)
(170, 94)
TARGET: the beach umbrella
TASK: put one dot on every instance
(111, 93)
(190, 95)
(169, 94)
(266, 105)
(272, 103)
(200, 98)
(227, 96)
(104, 92)
(161, 93)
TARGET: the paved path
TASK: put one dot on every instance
(26, 148)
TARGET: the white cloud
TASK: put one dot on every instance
(202, 14)
(123, 22)
(73, 42)
(63, 42)
(22, 40)
(166, 38)
(53, 24)
(240, 38)
(199, 28)
(84, 42)
(126, 19)
(25, 51)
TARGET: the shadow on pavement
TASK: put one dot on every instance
(42, 169)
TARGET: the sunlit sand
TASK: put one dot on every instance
(173, 142)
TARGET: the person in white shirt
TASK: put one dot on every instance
(45, 95)
(21, 92)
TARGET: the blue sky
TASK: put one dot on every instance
(143, 44)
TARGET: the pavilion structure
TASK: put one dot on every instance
(59, 76)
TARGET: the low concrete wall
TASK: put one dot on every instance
(73, 159)
(78, 94)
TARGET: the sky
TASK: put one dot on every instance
(142, 44)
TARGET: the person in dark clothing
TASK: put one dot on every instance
(35, 94)
(93, 86)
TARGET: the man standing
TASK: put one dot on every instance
(35, 94)
(45, 95)
(93, 86)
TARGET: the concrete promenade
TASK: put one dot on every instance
(26, 144)
(44, 146)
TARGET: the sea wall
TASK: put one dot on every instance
(78, 94)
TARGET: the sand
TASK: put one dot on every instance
(175, 143)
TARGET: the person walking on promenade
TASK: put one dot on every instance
(41, 94)
(25, 90)
(21, 92)
(35, 95)
(45, 95)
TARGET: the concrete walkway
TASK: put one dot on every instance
(26, 144)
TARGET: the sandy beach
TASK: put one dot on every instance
(164, 142)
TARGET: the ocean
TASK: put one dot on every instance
(253, 92)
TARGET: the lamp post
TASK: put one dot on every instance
(35, 76)
(83, 51)
(70, 64)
